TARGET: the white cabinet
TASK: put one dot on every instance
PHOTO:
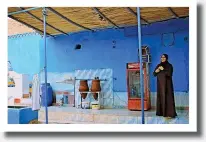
(18, 84)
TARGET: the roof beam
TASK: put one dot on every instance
(30, 26)
(101, 14)
(37, 18)
(67, 19)
(21, 11)
(172, 12)
(135, 14)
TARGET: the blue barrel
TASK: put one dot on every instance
(49, 94)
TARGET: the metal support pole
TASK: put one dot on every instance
(45, 60)
(74, 90)
(141, 65)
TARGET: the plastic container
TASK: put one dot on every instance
(66, 100)
(96, 106)
(85, 105)
(17, 101)
(49, 94)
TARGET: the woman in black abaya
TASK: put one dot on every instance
(165, 92)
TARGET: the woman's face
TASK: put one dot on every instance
(163, 59)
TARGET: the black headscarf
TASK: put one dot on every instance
(166, 62)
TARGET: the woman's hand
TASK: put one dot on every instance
(157, 70)
(161, 68)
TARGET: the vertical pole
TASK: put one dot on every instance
(74, 90)
(45, 60)
(141, 65)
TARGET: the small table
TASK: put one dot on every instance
(90, 92)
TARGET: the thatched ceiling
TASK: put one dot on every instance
(74, 19)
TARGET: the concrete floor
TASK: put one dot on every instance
(69, 115)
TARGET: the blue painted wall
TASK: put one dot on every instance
(23, 53)
(26, 52)
(98, 52)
